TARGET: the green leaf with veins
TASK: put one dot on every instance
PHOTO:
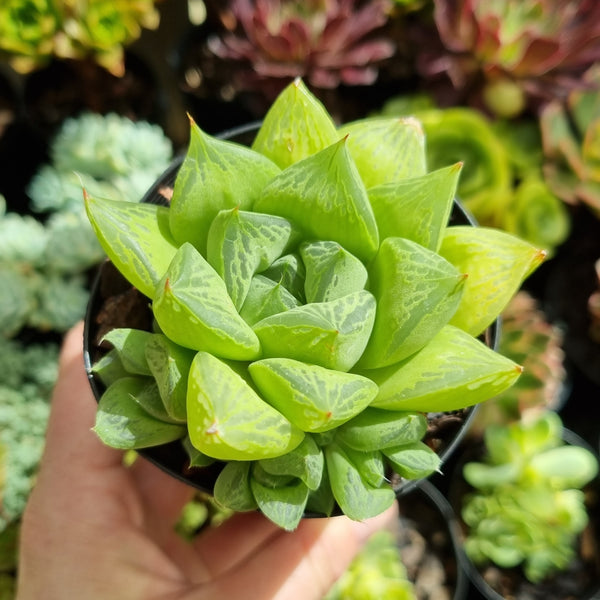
(228, 420)
(288, 270)
(136, 237)
(240, 243)
(130, 345)
(192, 307)
(329, 334)
(331, 271)
(204, 184)
(122, 422)
(325, 197)
(413, 461)
(417, 293)
(232, 487)
(314, 398)
(265, 298)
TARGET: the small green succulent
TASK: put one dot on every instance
(311, 306)
(528, 507)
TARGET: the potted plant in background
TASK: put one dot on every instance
(298, 299)
(530, 512)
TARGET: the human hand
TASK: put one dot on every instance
(96, 529)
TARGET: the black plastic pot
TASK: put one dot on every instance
(172, 458)
(545, 590)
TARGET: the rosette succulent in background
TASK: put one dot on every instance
(510, 56)
(308, 306)
(32, 32)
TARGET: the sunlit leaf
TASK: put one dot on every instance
(265, 298)
(130, 345)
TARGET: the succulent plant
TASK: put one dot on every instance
(311, 307)
(326, 42)
(571, 142)
(512, 55)
(528, 506)
(32, 32)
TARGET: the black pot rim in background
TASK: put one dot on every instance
(471, 570)
(171, 457)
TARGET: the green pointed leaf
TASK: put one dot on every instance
(331, 271)
(130, 345)
(296, 126)
(136, 237)
(454, 370)
(418, 208)
(122, 423)
(357, 499)
(192, 307)
(417, 293)
(288, 270)
(374, 429)
(170, 364)
(284, 506)
(270, 480)
(305, 462)
(496, 262)
(370, 465)
(413, 461)
(330, 334)
(324, 196)
(196, 458)
(205, 184)
(240, 243)
(321, 500)
(232, 487)
(265, 297)
(312, 397)
(386, 150)
(228, 420)
(149, 399)
(109, 368)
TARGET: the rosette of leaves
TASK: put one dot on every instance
(512, 56)
(571, 142)
(311, 307)
(502, 183)
(32, 32)
(528, 506)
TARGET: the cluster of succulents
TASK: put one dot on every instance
(311, 306)
(44, 261)
(571, 143)
(32, 32)
(509, 56)
(503, 182)
(528, 506)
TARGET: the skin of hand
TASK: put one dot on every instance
(96, 529)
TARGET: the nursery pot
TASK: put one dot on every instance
(114, 303)
(581, 580)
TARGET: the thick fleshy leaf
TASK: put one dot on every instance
(232, 487)
(109, 368)
(417, 293)
(330, 334)
(370, 465)
(413, 461)
(130, 345)
(496, 262)
(136, 237)
(296, 126)
(169, 363)
(265, 297)
(386, 150)
(357, 499)
(196, 458)
(228, 420)
(325, 197)
(417, 208)
(376, 429)
(312, 397)
(289, 270)
(331, 271)
(454, 370)
(321, 500)
(192, 307)
(149, 399)
(205, 185)
(282, 505)
(240, 243)
(122, 423)
(305, 462)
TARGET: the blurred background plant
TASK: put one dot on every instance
(32, 32)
